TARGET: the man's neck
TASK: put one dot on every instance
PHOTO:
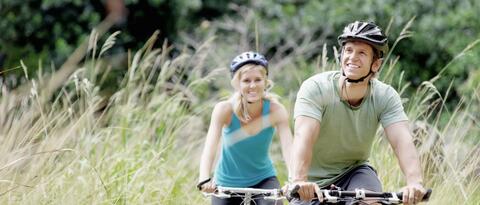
(353, 92)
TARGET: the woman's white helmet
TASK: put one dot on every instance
(248, 57)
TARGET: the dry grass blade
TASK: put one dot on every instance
(24, 67)
(405, 33)
(92, 40)
(109, 42)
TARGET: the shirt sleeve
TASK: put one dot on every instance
(393, 111)
(308, 102)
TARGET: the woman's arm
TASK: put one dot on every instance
(282, 125)
(217, 120)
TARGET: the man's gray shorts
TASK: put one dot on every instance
(364, 176)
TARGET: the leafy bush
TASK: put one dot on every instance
(440, 34)
(49, 30)
(43, 31)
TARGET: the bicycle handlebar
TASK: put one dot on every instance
(249, 193)
(334, 195)
(331, 196)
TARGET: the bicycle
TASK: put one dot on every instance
(358, 196)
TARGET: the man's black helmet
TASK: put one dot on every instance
(248, 57)
(365, 32)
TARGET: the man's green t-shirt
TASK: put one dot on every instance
(346, 133)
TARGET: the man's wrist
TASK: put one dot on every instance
(296, 179)
(415, 181)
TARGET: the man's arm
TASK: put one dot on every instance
(401, 141)
(306, 132)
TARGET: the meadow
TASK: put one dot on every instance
(141, 143)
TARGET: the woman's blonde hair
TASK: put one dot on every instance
(239, 102)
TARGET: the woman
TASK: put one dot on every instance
(245, 123)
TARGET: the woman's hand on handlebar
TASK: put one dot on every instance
(207, 186)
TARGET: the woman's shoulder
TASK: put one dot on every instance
(223, 111)
(278, 111)
(275, 105)
(223, 107)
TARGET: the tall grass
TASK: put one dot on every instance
(141, 144)
(447, 140)
(80, 148)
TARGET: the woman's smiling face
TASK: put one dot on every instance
(252, 84)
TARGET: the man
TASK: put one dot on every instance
(336, 117)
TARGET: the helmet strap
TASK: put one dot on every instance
(357, 80)
(360, 79)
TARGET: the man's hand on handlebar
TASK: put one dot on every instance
(307, 191)
(413, 193)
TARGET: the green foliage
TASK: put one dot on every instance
(34, 30)
(44, 28)
(441, 30)
(49, 30)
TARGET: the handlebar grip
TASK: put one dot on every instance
(293, 193)
(200, 184)
(426, 197)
